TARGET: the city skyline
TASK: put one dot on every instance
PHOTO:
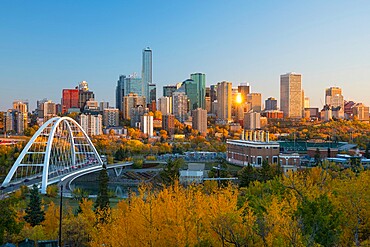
(252, 42)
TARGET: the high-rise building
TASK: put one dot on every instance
(306, 103)
(291, 95)
(213, 93)
(199, 120)
(48, 110)
(20, 106)
(147, 124)
(130, 101)
(135, 115)
(200, 80)
(334, 97)
(270, 104)
(16, 121)
(164, 105)
(111, 117)
(361, 112)
(152, 93)
(146, 72)
(244, 89)
(252, 120)
(91, 123)
(69, 99)
(20, 116)
(180, 105)
(91, 105)
(103, 105)
(170, 89)
(191, 90)
(255, 101)
(168, 123)
(84, 94)
(224, 94)
(126, 85)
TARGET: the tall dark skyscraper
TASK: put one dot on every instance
(146, 73)
(200, 80)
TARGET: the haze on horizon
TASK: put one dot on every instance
(47, 46)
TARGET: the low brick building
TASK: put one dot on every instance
(252, 149)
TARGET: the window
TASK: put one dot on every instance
(275, 159)
(259, 160)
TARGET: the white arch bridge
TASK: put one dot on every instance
(60, 147)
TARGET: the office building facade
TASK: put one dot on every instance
(69, 99)
(291, 95)
(168, 123)
(200, 81)
(199, 120)
(180, 105)
(271, 104)
(224, 101)
(147, 71)
(130, 101)
(111, 117)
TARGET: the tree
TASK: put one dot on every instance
(102, 201)
(319, 221)
(246, 176)
(34, 214)
(317, 156)
(8, 218)
(170, 172)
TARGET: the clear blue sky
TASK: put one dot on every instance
(49, 45)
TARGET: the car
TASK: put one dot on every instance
(26, 180)
(2, 187)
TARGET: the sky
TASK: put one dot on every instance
(46, 46)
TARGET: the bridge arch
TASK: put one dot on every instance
(58, 147)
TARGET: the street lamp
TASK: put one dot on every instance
(60, 215)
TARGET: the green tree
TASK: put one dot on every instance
(170, 172)
(8, 218)
(247, 175)
(102, 201)
(319, 221)
(34, 214)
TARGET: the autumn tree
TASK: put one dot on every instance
(8, 218)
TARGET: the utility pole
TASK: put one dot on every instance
(60, 215)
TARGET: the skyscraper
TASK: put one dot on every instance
(199, 120)
(200, 80)
(244, 89)
(130, 101)
(191, 90)
(69, 99)
(111, 117)
(164, 105)
(168, 123)
(291, 95)
(146, 72)
(126, 85)
(255, 101)
(84, 94)
(180, 105)
(147, 124)
(224, 92)
(334, 97)
(92, 123)
(270, 104)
